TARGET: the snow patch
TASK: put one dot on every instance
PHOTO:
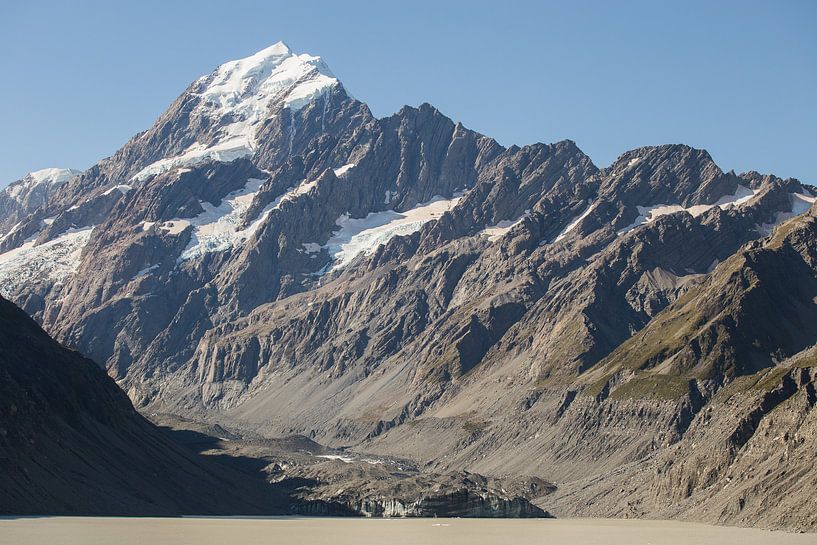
(122, 188)
(344, 169)
(292, 192)
(174, 227)
(365, 235)
(312, 247)
(495, 232)
(576, 221)
(647, 214)
(11, 231)
(800, 204)
(52, 176)
(146, 271)
(348, 459)
(236, 99)
(344, 459)
(303, 187)
(218, 228)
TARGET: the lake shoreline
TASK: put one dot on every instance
(257, 530)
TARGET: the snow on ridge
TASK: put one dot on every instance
(496, 232)
(122, 188)
(292, 192)
(800, 204)
(225, 152)
(51, 176)
(11, 231)
(365, 235)
(55, 260)
(237, 97)
(572, 225)
(647, 214)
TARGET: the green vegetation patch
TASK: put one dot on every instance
(661, 387)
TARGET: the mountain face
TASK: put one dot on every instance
(71, 442)
(26, 195)
(270, 257)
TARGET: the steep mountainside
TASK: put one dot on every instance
(71, 442)
(745, 452)
(271, 257)
(26, 195)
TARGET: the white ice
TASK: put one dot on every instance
(572, 225)
(348, 459)
(364, 235)
(495, 232)
(800, 204)
(11, 231)
(237, 98)
(55, 260)
(647, 214)
(52, 176)
(147, 270)
(173, 227)
(343, 170)
(122, 188)
(218, 228)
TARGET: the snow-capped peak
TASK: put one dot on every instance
(238, 96)
(248, 86)
(53, 177)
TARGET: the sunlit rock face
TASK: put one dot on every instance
(271, 256)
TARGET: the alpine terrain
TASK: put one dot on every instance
(400, 316)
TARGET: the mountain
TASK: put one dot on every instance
(271, 258)
(71, 442)
(32, 191)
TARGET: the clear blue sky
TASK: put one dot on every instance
(739, 78)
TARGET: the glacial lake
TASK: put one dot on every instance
(351, 531)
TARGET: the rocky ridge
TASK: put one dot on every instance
(407, 287)
(72, 444)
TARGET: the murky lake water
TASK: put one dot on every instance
(333, 531)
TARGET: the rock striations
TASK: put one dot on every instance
(272, 258)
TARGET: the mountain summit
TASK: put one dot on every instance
(271, 258)
(227, 107)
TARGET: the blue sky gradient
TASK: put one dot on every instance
(739, 78)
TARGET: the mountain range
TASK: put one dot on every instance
(271, 259)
